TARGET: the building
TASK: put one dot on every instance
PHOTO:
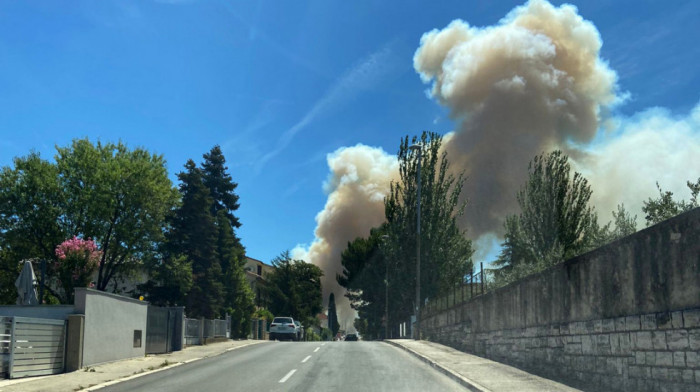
(255, 271)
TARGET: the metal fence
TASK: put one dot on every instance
(258, 329)
(196, 330)
(164, 329)
(474, 285)
(31, 346)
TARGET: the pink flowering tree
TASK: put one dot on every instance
(76, 261)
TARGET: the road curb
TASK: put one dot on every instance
(465, 382)
(128, 378)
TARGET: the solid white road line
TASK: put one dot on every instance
(285, 378)
(317, 348)
(306, 359)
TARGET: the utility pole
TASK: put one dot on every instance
(386, 284)
(419, 151)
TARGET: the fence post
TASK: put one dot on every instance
(201, 330)
(482, 278)
(471, 285)
(12, 349)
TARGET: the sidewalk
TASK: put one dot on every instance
(98, 376)
(476, 373)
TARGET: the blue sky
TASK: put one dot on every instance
(278, 84)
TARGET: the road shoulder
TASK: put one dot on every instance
(476, 373)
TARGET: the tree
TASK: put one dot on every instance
(332, 315)
(238, 299)
(364, 273)
(118, 197)
(221, 185)
(77, 261)
(445, 250)
(623, 222)
(555, 222)
(294, 289)
(30, 207)
(194, 234)
(664, 207)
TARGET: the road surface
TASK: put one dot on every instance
(299, 366)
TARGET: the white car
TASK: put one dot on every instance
(283, 328)
(300, 330)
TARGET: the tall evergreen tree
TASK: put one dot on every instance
(221, 185)
(333, 315)
(194, 234)
(238, 299)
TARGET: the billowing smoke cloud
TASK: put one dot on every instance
(649, 147)
(359, 180)
(531, 83)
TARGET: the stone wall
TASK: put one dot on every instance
(622, 317)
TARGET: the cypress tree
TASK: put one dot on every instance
(195, 235)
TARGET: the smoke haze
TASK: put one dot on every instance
(530, 84)
(359, 180)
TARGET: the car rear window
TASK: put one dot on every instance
(282, 320)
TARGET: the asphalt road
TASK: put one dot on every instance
(299, 366)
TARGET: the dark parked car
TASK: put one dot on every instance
(351, 337)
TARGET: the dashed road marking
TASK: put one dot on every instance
(306, 359)
(317, 348)
(285, 378)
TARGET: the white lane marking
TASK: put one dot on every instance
(285, 378)
(317, 348)
(306, 359)
(323, 344)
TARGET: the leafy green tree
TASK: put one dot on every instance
(664, 207)
(170, 278)
(294, 289)
(445, 250)
(623, 224)
(364, 272)
(555, 222)
(118, 197)
(194, 234)
(30, 211)
(332, 315)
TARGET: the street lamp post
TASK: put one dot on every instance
(386, 284)
(419, 151)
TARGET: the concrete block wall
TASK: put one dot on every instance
(650, 352)
(625, 317)
(111, 322)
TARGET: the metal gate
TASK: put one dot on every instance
(32, 346)
(163, 329)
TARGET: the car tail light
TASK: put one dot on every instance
(273, 325)
(290, 325)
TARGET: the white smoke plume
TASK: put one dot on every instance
(359, 180)
(531, 83)
(536, 82)
(649, 147)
